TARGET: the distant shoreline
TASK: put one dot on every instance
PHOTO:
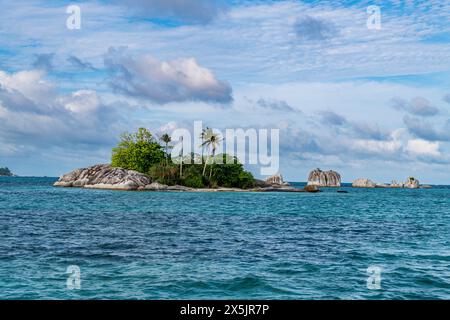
(343, 184)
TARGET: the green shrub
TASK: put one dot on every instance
(231, 175)
(137, 152)
(246, 180)
(193, 182)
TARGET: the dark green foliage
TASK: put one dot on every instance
(138, 151)
(193, 182)
(164, 173)
(231, 175)
(246, 180)
(192, 176)
(5, 172)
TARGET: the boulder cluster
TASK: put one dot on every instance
(104, 176)
(411, 183)
(321, 178)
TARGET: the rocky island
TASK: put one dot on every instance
(142, 163)
(5, 172)
(411, 183)
(104, 176)
(321, 178)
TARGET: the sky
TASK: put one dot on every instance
(366, 102)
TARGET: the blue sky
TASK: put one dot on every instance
(367, 103)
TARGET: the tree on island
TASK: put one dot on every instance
(211, 141)
(138, 151)
(166, 139)
(5, 172)
(141, 152)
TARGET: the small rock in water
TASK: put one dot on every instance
(311, 188)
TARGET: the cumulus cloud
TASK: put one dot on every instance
(385, 148)
(418, 106)
(310, 28)
(426, 130)
(358, 129)
(348, 145)
(33, 112)
(423, 148)
(192, 11)
(162, 82)
(22, 90)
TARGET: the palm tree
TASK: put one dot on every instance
(202, 136)
(211, 142)
(181, 158)
(166, 139)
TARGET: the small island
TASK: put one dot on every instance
(410, 183)
(5, 172)
(141, 162)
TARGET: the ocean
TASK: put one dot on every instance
(142, 245)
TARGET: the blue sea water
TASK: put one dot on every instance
(137, 245)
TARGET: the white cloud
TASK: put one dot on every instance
(248, 43)
(81, 102)
(30, 83)
(33, 113)
(164, 81)
(378, 147)
(423, 148)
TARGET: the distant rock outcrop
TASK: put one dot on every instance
(321, 178)
(412, 183)
(104, 176)
(395, 184)
(363, 183)
(5, 172)
(276, 180)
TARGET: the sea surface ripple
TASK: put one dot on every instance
(140, 245)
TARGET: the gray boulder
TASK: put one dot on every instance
(104, 176)
(156, 186)
(275, 180)
(412, 183)
(363, 183)
(179, 188)
(321, 178)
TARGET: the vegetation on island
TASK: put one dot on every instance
(145, 153)
(5, 172)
